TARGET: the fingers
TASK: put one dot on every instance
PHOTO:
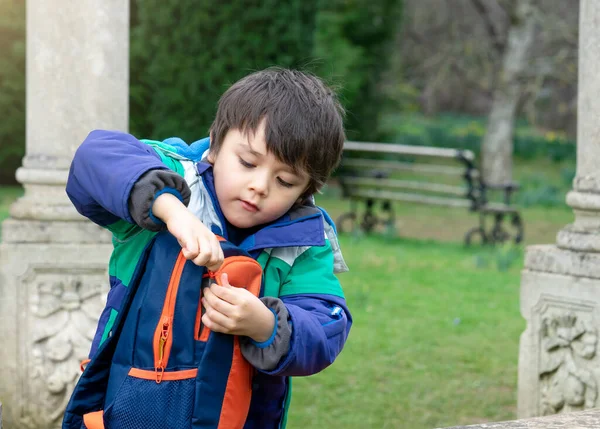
(189, 247)
(207, 252)
(198, 243)
(225, 279)
(230, 310)
(228, 293)
(204, 253)
(212, 325)
(212, 301)
(217, 256)
(215, 320)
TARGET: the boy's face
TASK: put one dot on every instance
(253, 187)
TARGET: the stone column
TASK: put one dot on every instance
(53, 263)
(559, 361)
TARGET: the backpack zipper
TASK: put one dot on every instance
(163, 339)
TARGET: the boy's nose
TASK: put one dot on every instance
(260, 185)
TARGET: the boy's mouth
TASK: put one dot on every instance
(249, 206)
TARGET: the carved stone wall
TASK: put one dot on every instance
(51, 297)
(567, 355)
(53, 263)
(62, 311)
(559, 366)
(559, 362)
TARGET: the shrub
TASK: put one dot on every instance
(353, 43)
(12, 88)
(185, 54)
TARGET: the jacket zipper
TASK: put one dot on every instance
(163, 339)
(203, 332)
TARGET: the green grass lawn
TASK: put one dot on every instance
(436, 325)
(434, 341)
(7, 195)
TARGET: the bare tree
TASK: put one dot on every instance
(451, 57)
(497, 144)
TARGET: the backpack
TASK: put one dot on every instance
(163, 368)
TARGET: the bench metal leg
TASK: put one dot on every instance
(349, 221)
(346, 222)
(517, 224)
(390, 221)
(369, 220)
(497, 233)
(501, 235)
(478, 231)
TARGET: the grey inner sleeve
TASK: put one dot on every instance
(142, 195)
(267, 358)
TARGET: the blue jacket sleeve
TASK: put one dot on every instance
(320, 326)
(103, 172)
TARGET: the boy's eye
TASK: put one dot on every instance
(246, 164)
(284, 183)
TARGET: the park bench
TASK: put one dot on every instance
(375, 174)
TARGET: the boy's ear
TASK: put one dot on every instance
(211, 153)
(210, 157)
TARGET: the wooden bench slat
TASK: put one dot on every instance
(406, 166)
(405, 184)
(403, 149)
(414, 198)
(498, 208)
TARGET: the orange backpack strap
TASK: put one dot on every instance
(94, 420)
(83, 364)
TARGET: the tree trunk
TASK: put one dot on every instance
(497, 145)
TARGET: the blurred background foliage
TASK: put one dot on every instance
(353, 47)
(184, 55)
(406, 71)
(12, 87)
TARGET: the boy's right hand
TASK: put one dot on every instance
(198, 243)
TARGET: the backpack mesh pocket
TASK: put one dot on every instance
(145, 404)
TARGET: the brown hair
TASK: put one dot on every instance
(303, 120)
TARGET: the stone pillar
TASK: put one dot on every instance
(53, 263)
(559, 361)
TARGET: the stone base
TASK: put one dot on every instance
(51, 295)
(66, 232)
(581, 420)
(559, 366)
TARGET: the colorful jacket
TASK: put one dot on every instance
(112, 173)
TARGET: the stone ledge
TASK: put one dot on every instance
(589, 419)
(64, 232)
(551, 259)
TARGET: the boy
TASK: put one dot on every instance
(276, 137)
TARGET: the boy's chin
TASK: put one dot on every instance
(240, 222)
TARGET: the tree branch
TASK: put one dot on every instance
(489, 25)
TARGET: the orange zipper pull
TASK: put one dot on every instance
(160, 369)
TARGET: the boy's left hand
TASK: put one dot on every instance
(234, 310)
